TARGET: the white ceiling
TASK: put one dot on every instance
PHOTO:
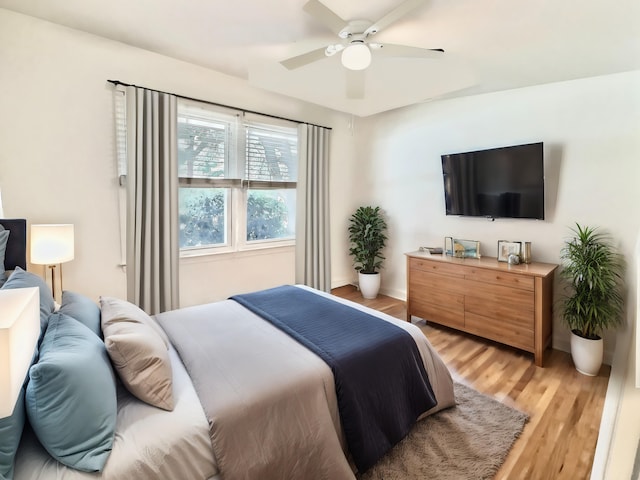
(489, 45)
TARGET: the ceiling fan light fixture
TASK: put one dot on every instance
(356, 56)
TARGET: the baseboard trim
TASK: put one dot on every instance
(398, 294)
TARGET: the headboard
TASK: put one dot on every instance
(16, 252)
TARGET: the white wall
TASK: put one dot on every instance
(57, 160)
(591, 134)
(619, 435)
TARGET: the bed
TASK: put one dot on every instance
(246, 399)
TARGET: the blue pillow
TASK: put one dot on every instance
(10, 433)
(22, 279)
(4, 237)
(71, 395)
(83, 309)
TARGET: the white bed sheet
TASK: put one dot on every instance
(150, 444)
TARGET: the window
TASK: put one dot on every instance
(237, 179)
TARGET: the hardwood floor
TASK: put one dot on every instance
(564, 406)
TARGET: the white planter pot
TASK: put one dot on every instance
(369, 284)
(586, 354)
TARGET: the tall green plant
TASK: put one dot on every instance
(594, 272)
(367, 228)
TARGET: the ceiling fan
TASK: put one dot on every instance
(356, 45)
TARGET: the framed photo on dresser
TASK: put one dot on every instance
(506, 248)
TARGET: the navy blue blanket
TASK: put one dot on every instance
(381, 384)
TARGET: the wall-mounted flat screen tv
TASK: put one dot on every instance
(505, 182)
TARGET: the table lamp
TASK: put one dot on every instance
(52, 245)
(19, 332)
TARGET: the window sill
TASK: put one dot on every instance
(207, 255)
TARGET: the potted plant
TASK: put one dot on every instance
(367, 228)
(593, 270)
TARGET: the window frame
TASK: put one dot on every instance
(238, 186)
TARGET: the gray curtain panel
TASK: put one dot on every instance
(152, 200)
(313, 252)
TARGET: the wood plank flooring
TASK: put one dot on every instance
(564, 406)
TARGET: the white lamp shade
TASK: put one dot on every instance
(19, 332)
(356, 56)
(51, 244)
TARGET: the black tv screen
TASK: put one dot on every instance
(505, 182)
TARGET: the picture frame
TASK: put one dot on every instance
(506, 248)
(466, 248)
(448, 246)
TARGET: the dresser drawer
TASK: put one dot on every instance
(449, 314)
(498, 277)
(437, 267)
(422, 282)
(437, 296)
(501, 295)
(511, 314)
(504, 332)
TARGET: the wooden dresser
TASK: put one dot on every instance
(510, 304)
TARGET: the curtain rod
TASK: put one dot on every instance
(118, 82)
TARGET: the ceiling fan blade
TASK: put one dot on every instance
(390, 50)
(398, 12)
(304, 59)
(355, 84)
(324, 15)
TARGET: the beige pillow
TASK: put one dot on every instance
(138, 353)
(115, 310)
